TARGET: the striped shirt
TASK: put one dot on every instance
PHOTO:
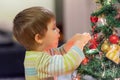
(43, 66)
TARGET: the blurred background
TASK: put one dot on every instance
(72, 17)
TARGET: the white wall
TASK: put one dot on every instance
(9, 8)
(77, 16)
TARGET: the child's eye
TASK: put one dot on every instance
(54, 28)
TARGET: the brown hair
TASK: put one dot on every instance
(29, 22)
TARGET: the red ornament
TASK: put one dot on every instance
(85, 61)
(94, 19)
(92, 41)
(92, 46)
(114, 39)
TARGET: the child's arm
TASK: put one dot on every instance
(63, 64)
(58, 51)
(67, 63)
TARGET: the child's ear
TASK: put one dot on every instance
(38, 39)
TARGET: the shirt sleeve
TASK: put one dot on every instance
(58, 51)
(63, 64)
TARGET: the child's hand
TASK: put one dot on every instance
(86, 37)
(83, 40)
(79, 40)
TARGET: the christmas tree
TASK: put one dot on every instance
(102, 53)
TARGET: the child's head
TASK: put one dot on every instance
(34, 27)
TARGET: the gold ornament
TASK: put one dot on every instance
(105, 47)
(114, 53)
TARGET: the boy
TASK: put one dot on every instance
(35, 28)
